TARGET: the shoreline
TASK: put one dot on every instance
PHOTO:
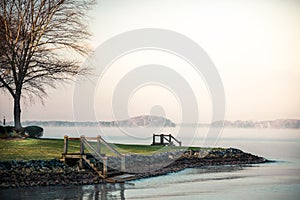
(217, 157)
(16, 174)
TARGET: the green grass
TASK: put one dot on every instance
(33, 149)
(145, 149)
(46, 149)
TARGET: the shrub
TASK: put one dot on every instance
(34, 131)
(6, 131)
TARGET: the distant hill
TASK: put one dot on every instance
(139, 121)
(144, 120)
(278, 123)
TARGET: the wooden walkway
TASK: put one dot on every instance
(95, 160)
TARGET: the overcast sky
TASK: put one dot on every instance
(255, 46)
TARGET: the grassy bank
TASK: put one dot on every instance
(46, 149)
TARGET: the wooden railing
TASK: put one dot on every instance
(163, 138)
(95, 152)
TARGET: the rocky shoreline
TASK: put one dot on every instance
(43, 173)
(217, 157)
(14, 174)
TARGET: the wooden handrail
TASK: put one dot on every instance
(118, 154)
(70, 138)
(78, 138)
(99, 139)
(85, 144)
(163, 137)
(111, 148)
(179, 142)
(91, 138)
(95, 152)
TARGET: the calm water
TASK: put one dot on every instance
(278, 180)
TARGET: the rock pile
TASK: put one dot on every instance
(137, 163)
(43, 173)
(214, 157)
(163, 163)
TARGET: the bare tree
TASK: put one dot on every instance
(34, 37)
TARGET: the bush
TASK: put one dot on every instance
(6, 131)
(34, 131)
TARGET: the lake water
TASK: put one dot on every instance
(276, 180)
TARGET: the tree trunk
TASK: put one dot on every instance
(17, 111)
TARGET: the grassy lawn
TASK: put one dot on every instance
(31, 149)
(46, 149)
(145, 149)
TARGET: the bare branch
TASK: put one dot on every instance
(35, 36)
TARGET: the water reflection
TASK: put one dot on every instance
(235, 182)
(103, 191)
(87, 192)
(117, 191)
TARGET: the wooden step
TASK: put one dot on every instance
(93, 166)
(121, 178)
(111, 173)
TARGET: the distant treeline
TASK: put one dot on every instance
(152, 121)
(140, 121)
(279, 123)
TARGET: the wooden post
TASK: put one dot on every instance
(81, 145)
(104, 166)
(153, 142)
(161, 138)
(122, 191)
(81, 162)
(66, 144)
(123, 163)
(81, 152)
(99, 144)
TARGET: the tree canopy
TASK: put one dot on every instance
(35, 35)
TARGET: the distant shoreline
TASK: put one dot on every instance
(156, 121)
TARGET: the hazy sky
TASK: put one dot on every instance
(255, 46)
